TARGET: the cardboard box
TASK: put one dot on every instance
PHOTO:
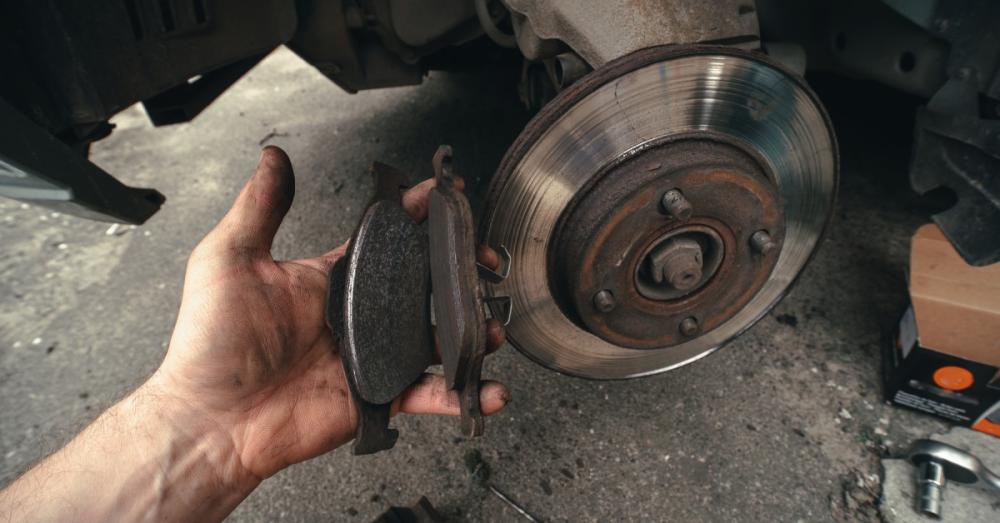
(957, 305)
(943, 357)
(963, 391)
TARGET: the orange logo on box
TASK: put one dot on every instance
(953, 378)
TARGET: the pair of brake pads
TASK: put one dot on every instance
(380, 302)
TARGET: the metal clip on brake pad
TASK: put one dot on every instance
(378, 305)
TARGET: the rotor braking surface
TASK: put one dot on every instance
(658, 207)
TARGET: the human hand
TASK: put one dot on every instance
(251, 357)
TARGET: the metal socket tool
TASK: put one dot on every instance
(936, 464)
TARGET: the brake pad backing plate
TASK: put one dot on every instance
(458, 303)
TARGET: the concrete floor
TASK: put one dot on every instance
(785, 424)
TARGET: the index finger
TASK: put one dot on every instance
(415, 198)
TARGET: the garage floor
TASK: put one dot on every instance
(785, 424)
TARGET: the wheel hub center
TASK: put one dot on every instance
(676, 263)
(662, 247)
(679, 263)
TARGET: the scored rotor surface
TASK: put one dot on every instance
(616, 112)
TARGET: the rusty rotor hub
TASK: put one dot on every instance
(666, 237)
(658, 207)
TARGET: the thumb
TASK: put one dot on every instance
(260, 207)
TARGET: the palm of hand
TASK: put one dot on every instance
(251, 349)
(283, 382)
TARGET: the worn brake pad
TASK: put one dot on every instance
(457, 297)
(378, 305)
(380, 297)
(386, 312)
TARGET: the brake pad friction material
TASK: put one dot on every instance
(386, 337)
(378, 309)
(458, 303)
(372, 433)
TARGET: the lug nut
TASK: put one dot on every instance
(676, 205)
(761, 242)
(689, 326)
(677, 263)
(604, 301)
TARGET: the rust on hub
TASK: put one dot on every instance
(672, 279)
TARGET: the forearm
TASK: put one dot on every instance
(146, 458)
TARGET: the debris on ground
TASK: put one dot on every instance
(858, 499)
(118, 229)
(271, 135)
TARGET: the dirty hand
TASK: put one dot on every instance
(251, 355)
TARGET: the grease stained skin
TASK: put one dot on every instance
(251, 370)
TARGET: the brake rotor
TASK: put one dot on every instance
(659, 207)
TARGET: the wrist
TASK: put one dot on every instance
(148, 457)
(199, 440)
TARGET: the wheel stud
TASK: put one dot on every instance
(761, 242)
(676, 205)
(604, 301)
(689, 326)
